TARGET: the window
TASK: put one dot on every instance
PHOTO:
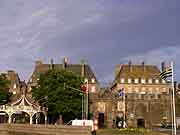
(143, 89)
(157, 90)
(14, 92)
(150, 81)
(122, 80)
(93, 89)
(163, 81)
(156, 81)
(150, 90)
(143, 81)
(164, 90)
(85, 80)
(136, 81)
(136, 90)
(129, 80)
(14, 86)
(93, 80)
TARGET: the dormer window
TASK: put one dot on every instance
(150, 81)
(143, 81)
(14, 86)
(156, 81)
(85, 80)
(122, 80)
(129, 80)
(136, 80)
(93, 80)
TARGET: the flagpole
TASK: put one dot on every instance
(124, 109)
(173, 98)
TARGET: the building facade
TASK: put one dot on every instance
(137, 98)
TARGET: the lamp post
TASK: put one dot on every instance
(87, 98)
(82, 94)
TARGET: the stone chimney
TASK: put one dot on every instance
(65, 62)
(163, 66)
(52, 64)
(38, 62)
(143, 66)
(130, 66)
(82, 68)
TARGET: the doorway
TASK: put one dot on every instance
(140, 123)
(101, 120)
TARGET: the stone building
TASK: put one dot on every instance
(144, 100)
(137, 95)
(82, 70)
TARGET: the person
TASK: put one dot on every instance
(120, 124)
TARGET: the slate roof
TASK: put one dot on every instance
(76, 68)
(137, 71)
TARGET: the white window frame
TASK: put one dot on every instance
(136, 81)
(150, 81)
(122, 80)
(157, 81)
(129, 80)
(93, 80)
(143, 81)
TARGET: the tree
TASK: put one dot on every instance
(4, 89)
(53, 92)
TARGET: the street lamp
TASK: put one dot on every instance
(82, 93)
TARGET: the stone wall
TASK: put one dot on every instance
(6, 129)
(154, 109)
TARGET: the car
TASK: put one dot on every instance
(91, 123)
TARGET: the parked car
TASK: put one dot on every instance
(92, 123)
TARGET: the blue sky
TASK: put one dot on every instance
(103, 32)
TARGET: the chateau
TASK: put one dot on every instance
(136, 98)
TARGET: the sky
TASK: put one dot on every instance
(104, 33)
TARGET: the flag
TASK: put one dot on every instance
(121, 92)
(166, 73)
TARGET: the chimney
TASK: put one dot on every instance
(82, 68)
(52, 64)
(163, 66)
(65, 62)
(143, 66)
(130, 66)
(38, 62)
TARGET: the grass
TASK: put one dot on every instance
(124, 131)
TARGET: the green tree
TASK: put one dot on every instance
(4, 89)
(53, 92)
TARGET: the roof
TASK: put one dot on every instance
(76, 68)
(137, 71)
